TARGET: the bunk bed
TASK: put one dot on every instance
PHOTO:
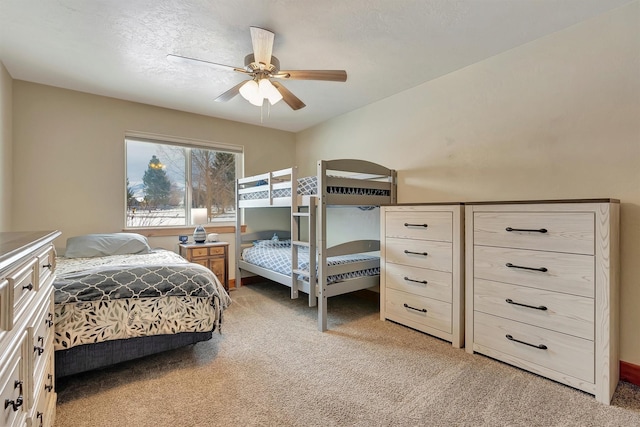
(313, 267)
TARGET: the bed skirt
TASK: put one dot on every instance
(93, 356)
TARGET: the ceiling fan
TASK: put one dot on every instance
(262, 66)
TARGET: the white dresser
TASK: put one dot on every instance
(542, 289)
(27, 265)
(421, 277)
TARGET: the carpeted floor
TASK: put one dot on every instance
(271, 367)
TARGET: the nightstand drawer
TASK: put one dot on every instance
(568, 273)
(419, 253)
(199, 252)
(216, 251)
(419, 281)
(408, 308)
(420, 225)
(571, 232)
(560, 352)
(558, 312)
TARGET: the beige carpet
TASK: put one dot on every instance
(271, 367)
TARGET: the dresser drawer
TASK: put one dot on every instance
(419, 281)
(420, 225)
(46, 264)
(407, 308)
(419, 253)
(22, 283)
(571, 232)
(13, 387)
(562, 353)
(567, 273)
(6, 306)
(564, 313)
(41, 335)
(43, 411)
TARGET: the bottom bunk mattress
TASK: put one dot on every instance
(126, 296)
(276, 256)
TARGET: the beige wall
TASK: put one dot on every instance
(69, 156)
(556, 118)
(6, 145)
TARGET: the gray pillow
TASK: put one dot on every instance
(94, 245)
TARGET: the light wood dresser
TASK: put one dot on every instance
(213, 255)
(421, 262)
(27, 268)
(542, 289)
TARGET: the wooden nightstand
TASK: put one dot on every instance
(213, 255)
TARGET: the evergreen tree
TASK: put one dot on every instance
(157, 186)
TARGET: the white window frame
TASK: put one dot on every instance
(188, 144)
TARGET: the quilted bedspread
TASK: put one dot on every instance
(124, 296)
(276, 256)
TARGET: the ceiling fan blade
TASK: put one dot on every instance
(326, 75)
(187, 60)
(292, 101)
(262, 41)
(231, 92)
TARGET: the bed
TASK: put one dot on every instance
(124, 301)
(330, 271)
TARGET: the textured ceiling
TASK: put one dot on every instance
(118, 48)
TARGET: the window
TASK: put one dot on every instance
(167, 180)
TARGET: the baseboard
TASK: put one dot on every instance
(630, 373)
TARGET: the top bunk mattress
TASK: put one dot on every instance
(308, 186)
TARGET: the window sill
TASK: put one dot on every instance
(188, 230)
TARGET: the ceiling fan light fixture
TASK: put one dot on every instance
(251, 92)
(269, 91)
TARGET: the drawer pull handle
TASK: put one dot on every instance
(542, 269)
(40, 416)
(15, 404)
(539, 346)
(49, 320)
(38, 350)
(49, 386)
(416, 253)
(424, 282)
(29, 287)
(421, 310)
(540, 307)
(528, 230)
(407, 224)
(48, 266)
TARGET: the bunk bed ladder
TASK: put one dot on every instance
(297, 243)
